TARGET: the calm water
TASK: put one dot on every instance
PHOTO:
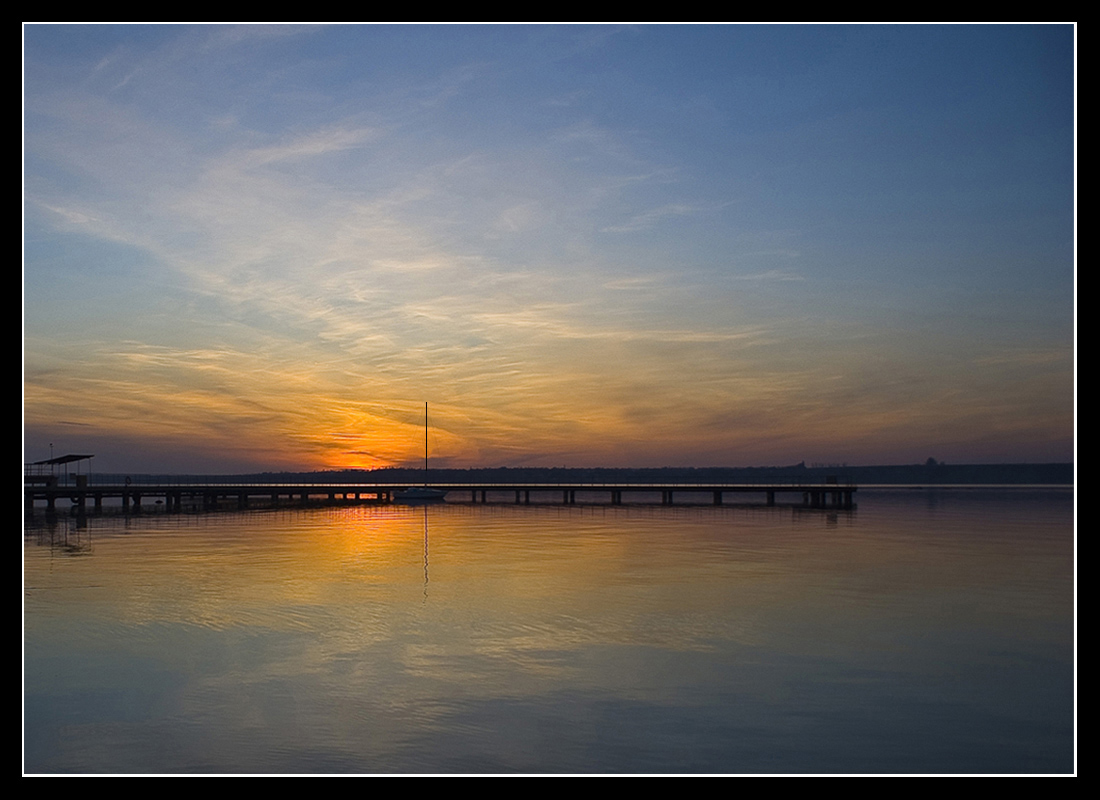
(923, 632)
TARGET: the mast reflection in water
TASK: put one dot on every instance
(925, 632)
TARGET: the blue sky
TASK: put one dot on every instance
(264, 247)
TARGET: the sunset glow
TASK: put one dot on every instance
(266, 247)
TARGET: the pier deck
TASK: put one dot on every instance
(174, 496)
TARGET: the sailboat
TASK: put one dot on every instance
(421, 494)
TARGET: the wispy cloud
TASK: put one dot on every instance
(772, 275)
(649, 219)
(551, 248)
(312, 144)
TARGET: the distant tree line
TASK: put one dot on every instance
(931, 472)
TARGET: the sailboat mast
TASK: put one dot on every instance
(425, 444)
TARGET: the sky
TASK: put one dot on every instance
(252, 248)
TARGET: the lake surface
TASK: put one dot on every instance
(925, 631)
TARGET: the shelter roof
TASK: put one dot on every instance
(67, 459)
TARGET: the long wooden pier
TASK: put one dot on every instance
(48, 495)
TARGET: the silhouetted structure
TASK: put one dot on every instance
(49, 473)
(215, 495)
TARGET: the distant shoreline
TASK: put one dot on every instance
(913, 476)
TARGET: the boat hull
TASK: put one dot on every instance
(418, 495)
